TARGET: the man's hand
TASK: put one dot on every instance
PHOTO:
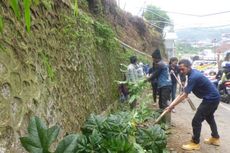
(169, 108)
(146, 79)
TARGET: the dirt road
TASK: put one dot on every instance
(182, 130)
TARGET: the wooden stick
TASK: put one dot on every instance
(191, 103)
(188, 99)
(160, 117)
(179, 82)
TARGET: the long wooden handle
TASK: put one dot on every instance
(160, 117)
(188, 99)
(177, 78)
(191, 104)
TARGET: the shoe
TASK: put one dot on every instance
(191, 146)
(212, 141)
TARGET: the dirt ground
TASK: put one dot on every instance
(181, 130)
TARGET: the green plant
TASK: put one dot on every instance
(135, 89)
(143, 111)
(104, 36)
(74, 143)
(92, 123)
(1, 24)
(116, 145)
(40, 137)
(15, 6)
(152, 139)
(116, 133)
(27, 4)
(75, 8)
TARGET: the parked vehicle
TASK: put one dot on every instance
(202, 65)
(209, 68)
(225, 92)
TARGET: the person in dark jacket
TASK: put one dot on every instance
(162, 75)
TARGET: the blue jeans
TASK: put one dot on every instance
(173, 91)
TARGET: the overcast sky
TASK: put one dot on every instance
(196, 7)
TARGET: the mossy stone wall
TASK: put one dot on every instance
(61, 71)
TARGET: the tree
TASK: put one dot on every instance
(157, 17)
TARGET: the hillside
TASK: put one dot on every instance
(198, 34)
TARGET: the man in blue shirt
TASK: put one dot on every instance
(162, 75)
(204, 89)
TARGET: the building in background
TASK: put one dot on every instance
(170, 37)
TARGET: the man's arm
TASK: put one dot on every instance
(156, 72)
(176, 101)
(153, 75)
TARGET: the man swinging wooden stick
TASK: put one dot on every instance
(204, 89)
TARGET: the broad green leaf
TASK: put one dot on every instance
(116, 145)
(1, 24)
(153, 138)
(82, 144)
(30, 145)
(139, 148)
(68, 144)
(52, 134)
(27, 4)
(95, 141)
(40, 138)
(118, 126)
(93, 122)
(75, 8)
(15, 5)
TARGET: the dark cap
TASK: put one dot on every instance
(156, 54)
(133, 59)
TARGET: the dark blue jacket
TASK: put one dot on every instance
(201, 87)
(162, 75)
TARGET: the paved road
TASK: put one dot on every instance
(182, 132)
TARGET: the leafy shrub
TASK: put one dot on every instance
(116, 133)
(152, 139)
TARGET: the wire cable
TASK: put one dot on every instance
(195, 15)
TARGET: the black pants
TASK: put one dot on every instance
(164, 96)
(154, 89)
(206, 112)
